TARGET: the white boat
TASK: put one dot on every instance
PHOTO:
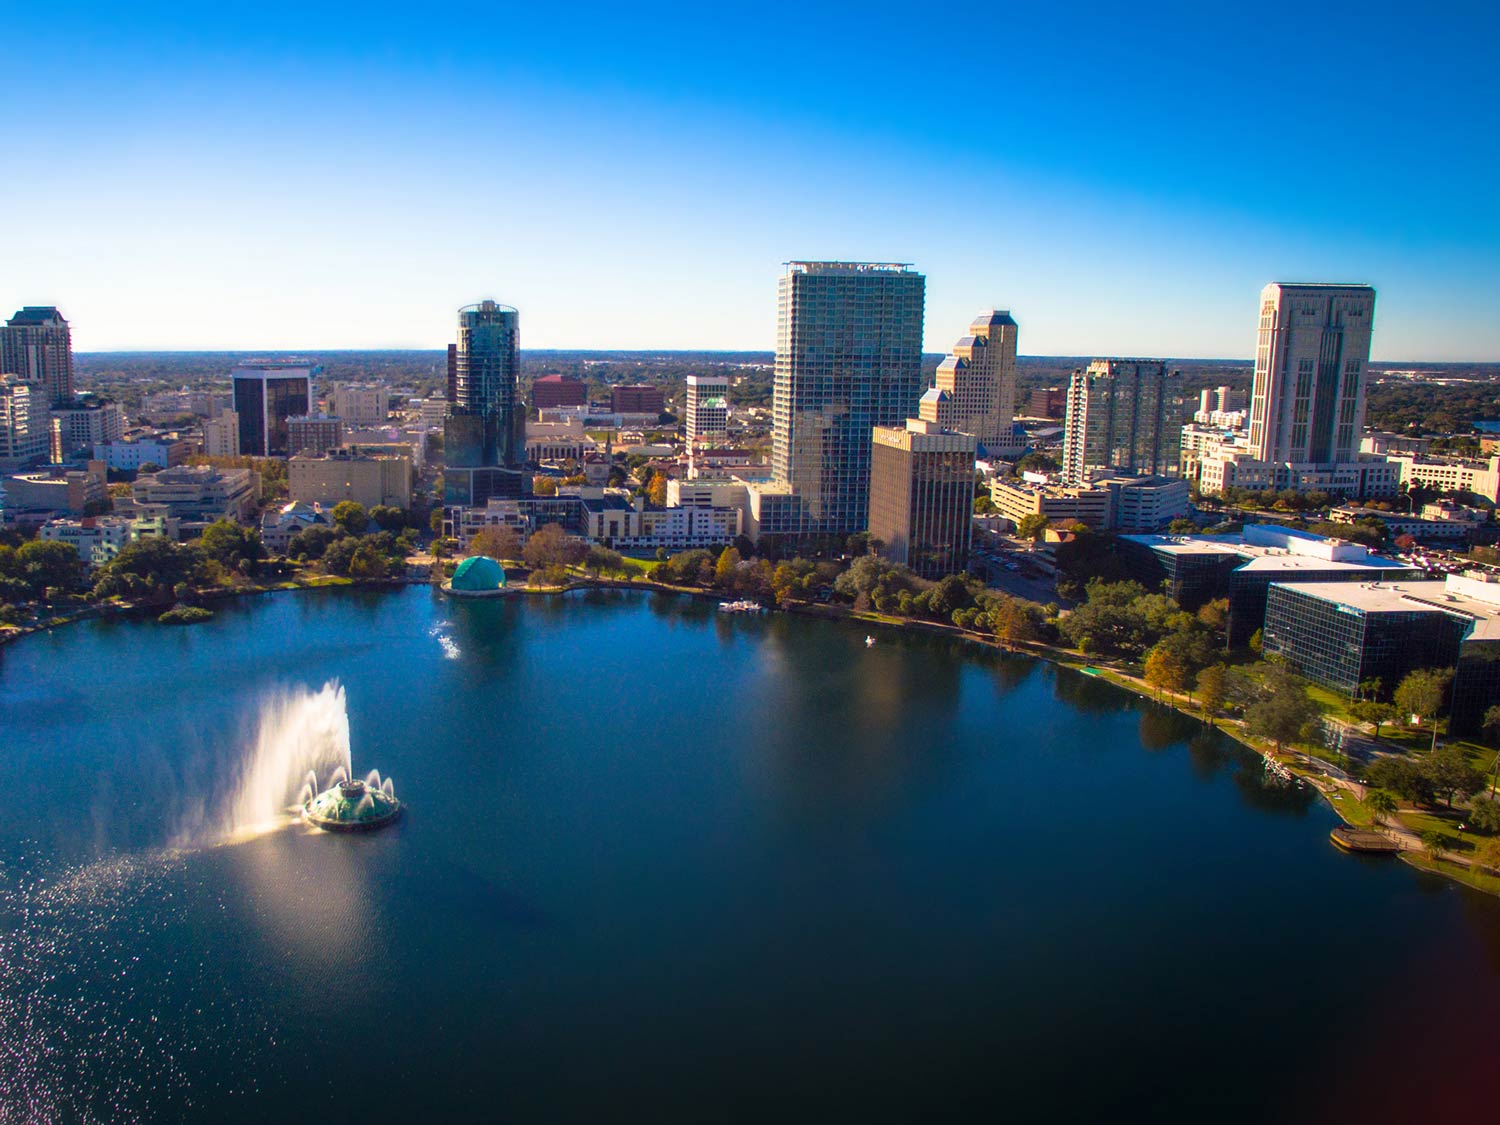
(869, 642)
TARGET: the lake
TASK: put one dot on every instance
(662, 863)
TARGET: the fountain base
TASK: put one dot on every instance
(351, 806)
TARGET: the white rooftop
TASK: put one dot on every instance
(1465, 595)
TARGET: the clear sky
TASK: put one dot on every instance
(1123, 177)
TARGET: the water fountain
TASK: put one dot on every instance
(302, 734)
(350, 804)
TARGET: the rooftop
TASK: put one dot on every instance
(36, 316)
(849, 267)
(1464, 595)
(1268, 547)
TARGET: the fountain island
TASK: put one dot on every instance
(353, 805)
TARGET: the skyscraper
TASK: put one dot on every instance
(1120, 418)
(24, 425)
(922, 496)
(37, 345)
(267, 393)
(975, 389)
(848, 359)
(707, 407)
(1308, 399)
(484, 435)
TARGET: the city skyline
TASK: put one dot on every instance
(252, 189)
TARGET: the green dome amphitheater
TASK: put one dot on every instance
(477, 575)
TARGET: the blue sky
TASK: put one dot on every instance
(1124, 178)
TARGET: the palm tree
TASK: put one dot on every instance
(1381, 804)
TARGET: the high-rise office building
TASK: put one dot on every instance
(24, 424)
(1308, 399)
(707, 407)
(37, 345)
(267, 393)
(848, 359)
(1121, 418)
(922, 496)
(484, 435)
(221, 435)
(975, 388)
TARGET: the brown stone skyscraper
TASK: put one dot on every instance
(37, 345)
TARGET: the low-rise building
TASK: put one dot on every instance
(1440, 527)
(343, 474)
(1342, 635)
(1195, 569)
(549, 391)
(314, 434)
(1147, 503)
(127, 455)
(98, 539)
(557, 441)
(636, 398)
(278, 526)
(1371, 476)
(1064, 504)
(197, 495)
(360, 404)
(1477, 475)
(42, 493)
(77, 429)
(524, 515)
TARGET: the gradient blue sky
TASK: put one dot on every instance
(1124, 177)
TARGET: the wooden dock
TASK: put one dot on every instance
(1367, 840)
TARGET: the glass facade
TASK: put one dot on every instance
(486, 424)
(848, 359)
(264, 398)
(922, 505)
(1340, 646)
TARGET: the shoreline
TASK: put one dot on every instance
(1458, 869)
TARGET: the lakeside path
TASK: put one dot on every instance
(1330, 782)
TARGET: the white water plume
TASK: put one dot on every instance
(300, 736)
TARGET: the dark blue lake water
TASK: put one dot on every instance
(661, 863)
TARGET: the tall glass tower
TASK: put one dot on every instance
(485, 428)
(848, 359)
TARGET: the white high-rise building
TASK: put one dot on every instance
(707, 407)
(24, 424)
(975, 389)
(361, 406)
(221, 435)
(1308, 400)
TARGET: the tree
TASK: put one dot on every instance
(351, 516)
(1488, 854)
(339, 555)
(1433, 843)
(656, 490)
(229, 543)
(1450, 773)
(435, 521)
(1372, 712)
(1182, 526)
(1381, 805)
(1032, 526)
(1401, 776)
(42, 563)
(1284, 712)
(1491, 723)
(1212, 688)
(496, 542)
(311, 542)
(1215, 614)
(724, 569)
(551, 546)
(602, 559)
(1485, 815)
(543, 486)
(1166, 670)
(388, 517)
(1015, 620)
(1423, 693)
